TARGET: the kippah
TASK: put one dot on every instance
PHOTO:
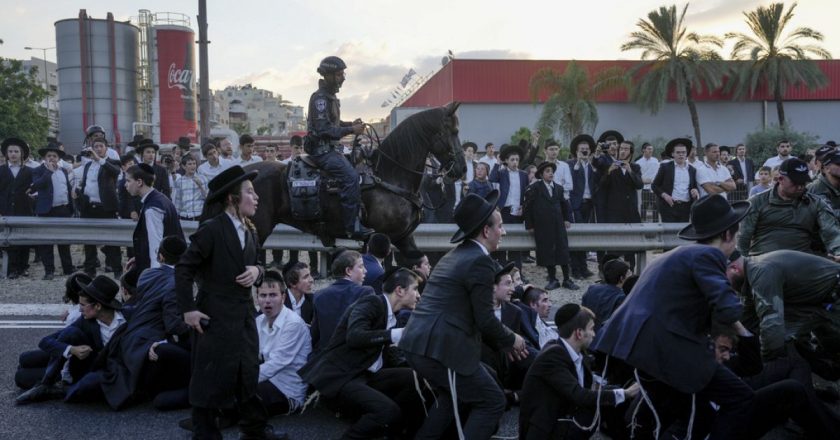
(565, 313)
(172, 246)
(146, 168)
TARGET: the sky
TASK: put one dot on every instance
(277, 44)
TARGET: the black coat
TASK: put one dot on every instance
(226, 357)
(664, 180)
(620, 199)
(13, 197)
(107, 180)
(307, 310)
(738, 173)
(154, 318)
(162, 180)
(545, 214)
(356, 344)
(457, 311)
(551, 391)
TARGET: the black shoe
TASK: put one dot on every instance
(528, 260)
(360, 232)
(40, 393)
(569, 284)
(587, 274)
(13, 275)
(186, 424)
(552, 284)
(48, 277)
(268, 434)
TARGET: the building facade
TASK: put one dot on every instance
(49, 82)
(257, 111)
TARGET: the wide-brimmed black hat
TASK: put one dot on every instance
(473, 213)
(669, 147)
(51, 147)
(504, 270)
(508, 149)
(541, 167)
(24, 147)
(577, 140)
(103, 290)
(136, 140)
(74, 284)
(712, 215)
(228, 178)
(615, 133)
(184, 142)
(145, 143)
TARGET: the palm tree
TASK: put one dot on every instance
(774, 60)
(680, 61)
(570, 107)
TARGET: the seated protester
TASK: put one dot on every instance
(419, 263)
(81, 342)
(128, 290)
(299, 297)
(129, 374)
(628, 284)
(509, 373)
(285, 345)
(519, 286)
(331, 301)
(604, 298)
(535, 307)
(378, 249)
(557, 397)
(32, 363)
(351, 367)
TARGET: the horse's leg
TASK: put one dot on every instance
(406, 245)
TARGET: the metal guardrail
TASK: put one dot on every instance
(631, 237)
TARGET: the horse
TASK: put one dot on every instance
(391, 206)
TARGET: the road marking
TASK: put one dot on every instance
(17, 324)
(33, 309)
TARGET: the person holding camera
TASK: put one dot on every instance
(620, 185)
(585, 178)
(96, 197)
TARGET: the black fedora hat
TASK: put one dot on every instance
(24, 147)
(51, 147)
(504, 270)
(74, 284)
(145, 143)
(669, 147)
(577, 140)
(712, 215)
(541, 167)
(472, 213)
(184, 142)
(615, 133)
(136, 140)
(103, 290)
(508, 149)
(220, 184)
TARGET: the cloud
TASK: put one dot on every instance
(710, 13)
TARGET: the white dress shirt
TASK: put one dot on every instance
(254, 159)
(154, 230)
(775, 161)
(297, 306)
(59, 184)
(284, 347)
(240, 228)
(106, 331)
(210, 171)
(492, 162)
(649, 168)
(92, 183)
(514, 192)
(563, 177)
(546, 333)
(681, 182)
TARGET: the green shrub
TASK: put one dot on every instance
(761, 144)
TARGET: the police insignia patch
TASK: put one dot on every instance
(321, 105)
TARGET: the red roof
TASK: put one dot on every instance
(506, 82)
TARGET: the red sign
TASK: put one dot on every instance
(176, 84)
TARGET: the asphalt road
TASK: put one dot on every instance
(57, 420)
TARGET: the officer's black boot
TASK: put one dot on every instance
(359, 231)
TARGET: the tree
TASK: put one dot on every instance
(570, 108)
(20, 96)
(680, 61)
(773, 60)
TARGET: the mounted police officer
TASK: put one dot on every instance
(325, 129)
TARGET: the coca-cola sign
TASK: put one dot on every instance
(180, 78)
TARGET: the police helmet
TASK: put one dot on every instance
(331, 64)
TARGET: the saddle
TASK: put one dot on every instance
(310, 187)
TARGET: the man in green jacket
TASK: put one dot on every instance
(786, 217)
(827, 184)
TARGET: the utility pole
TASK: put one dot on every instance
(203, 68)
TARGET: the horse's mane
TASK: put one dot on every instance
(413, 136)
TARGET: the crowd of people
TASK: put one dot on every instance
(719, 338)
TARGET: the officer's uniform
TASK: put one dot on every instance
(325, 130)
(822, 187)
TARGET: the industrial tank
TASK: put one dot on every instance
(173, 82)
(97, 76)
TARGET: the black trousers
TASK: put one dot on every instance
(113, 255)
(679, 213)
(276, 403)
(252, 417)
(379, 398)
(18, 259)
(478, 391)
(585, 214)
(339, 167)
(45, 252)
(31, 367)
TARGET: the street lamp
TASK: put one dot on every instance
(46, 75)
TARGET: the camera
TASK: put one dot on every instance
(166, 159)
(619, 163)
